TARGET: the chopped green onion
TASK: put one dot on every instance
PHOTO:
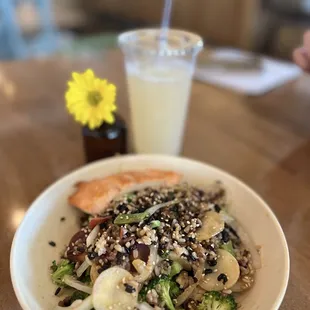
(130, 196)
(139, 217)
(176, 268)
(229, 248)
(130, 218)
(155, 224)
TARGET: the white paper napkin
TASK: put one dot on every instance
(273, 73)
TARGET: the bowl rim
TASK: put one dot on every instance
(13, 253)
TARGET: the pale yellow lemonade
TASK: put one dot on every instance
(159, 96)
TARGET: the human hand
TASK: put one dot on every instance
(301, 55)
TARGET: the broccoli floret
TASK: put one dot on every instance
(78, 295)
(176, 268)
(217, 301)
(163, 289)
(175, 290)
(166, 289)
(85, 278)
(143, 292)
(65, 267)
(53, 266)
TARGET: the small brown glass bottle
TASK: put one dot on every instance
(105, 141)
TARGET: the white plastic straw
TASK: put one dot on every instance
(165, 23)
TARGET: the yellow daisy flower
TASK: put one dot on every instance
(90, 100)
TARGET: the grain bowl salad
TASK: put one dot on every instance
(150, 241)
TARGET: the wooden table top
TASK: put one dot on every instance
(263, 140)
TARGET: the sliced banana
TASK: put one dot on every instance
(109, 290)
(225, 274)
(212, 224)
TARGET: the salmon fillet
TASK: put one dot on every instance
(94, 197)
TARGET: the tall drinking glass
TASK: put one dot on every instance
(159, 73)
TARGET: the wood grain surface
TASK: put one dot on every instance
(263, 140)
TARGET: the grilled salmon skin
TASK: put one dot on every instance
(94, 197)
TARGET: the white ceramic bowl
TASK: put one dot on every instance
(31, 255)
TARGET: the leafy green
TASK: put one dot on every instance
(65, 267)
(217, 301)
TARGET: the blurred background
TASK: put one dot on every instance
(36, 28)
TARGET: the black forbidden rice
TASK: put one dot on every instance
(52, 243)
(57, 291)
(223, 278)
(176, 232)
(129, 289)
